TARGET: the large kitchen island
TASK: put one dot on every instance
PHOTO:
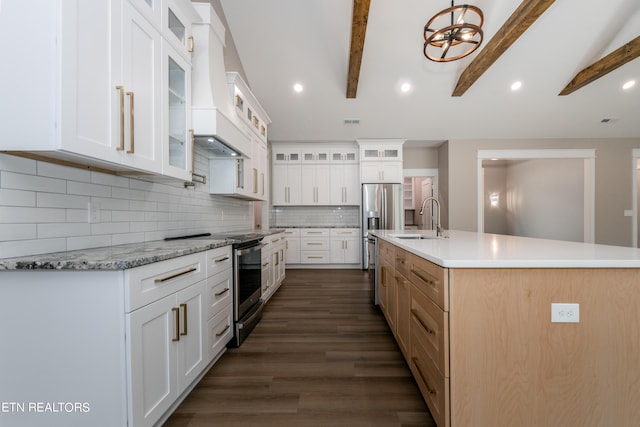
(472, 314)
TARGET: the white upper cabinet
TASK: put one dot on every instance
(92, 84)
(177, 20)
(380, 160)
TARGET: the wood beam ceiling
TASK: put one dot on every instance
(602, 67)
(358, 31)
(519, 21)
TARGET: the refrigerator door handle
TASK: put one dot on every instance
(383, 219)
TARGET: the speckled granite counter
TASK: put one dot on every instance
(113, 257)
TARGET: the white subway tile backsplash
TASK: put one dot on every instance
(53, 200)
(44, 208)
(53, 170)
(86, 242)
(20, 215)
(18, 232)
(20, 181)
(17, 198)
(109, 228)
(46, 231)
(27, 247)
(17, 164)
(86, 189)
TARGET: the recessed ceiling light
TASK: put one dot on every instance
(405, 87)
(629, 84)
(298, 87)
(516, 85)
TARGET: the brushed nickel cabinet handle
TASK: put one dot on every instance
(191, 44)
(132, 126)
(184, 318)
(176, 312)
(120, 89)
(222, 292)
(173, 276)
(431, 391)
(221, 333)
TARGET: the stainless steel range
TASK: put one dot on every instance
(247, 282)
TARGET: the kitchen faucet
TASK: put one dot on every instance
(424, 202)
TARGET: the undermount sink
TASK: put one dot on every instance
(415, 236)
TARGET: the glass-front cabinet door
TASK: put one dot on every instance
(177, 21)
(178, 139)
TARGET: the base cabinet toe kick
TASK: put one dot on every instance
(483, 349)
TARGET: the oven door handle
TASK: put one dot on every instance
(250, 249)
(251, 315)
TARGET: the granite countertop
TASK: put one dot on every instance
(464, 249)
(125, 256)
(112, 257)
(319, 226)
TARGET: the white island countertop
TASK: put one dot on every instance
(464, 249)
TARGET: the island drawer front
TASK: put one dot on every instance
(430, 279)
(432, 384)
(219, 291)
(219, 331)
(386, 251)
(402, 262)
(151, 282)
(219, 259)
(430, 327)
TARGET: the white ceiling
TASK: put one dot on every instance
(281, 42)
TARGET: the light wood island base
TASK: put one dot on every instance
(484, 351)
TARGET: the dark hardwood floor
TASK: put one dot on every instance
(322, 355)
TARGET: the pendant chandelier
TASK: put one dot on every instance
(453, 33)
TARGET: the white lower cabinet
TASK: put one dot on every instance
(345, 245)
(292, 245)
(166, 352)
(129, 344)
(273, 264)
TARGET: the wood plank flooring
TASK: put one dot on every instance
(322, 355)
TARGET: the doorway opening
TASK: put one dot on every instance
(537, 193)
(419, 184)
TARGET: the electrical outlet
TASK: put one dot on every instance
(94, 213)
(565, 313)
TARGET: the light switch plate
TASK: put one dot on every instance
(565, 313)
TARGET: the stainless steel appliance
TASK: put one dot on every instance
(382, 209)
(247, 282)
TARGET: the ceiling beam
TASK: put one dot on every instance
(358, 31)
(604, 66)
(519, 21)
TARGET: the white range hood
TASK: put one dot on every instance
(212, 110)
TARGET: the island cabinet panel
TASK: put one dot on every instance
(402, 288)
(511, 366)
(430, 279)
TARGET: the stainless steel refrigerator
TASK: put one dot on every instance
(382, 209)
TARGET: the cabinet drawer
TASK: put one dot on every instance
(401, 262)
(314, 244)
(314, 232)
(149, 283)
(345, 232)
(218, 260)
(292, 232)
(430, 327)
(219, 291)
(314, 257)
(432, 384)
(430, 279)
(219, 332)
(386, 251)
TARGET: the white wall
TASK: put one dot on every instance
(545, 198)
(43, 208)
(495, 181)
